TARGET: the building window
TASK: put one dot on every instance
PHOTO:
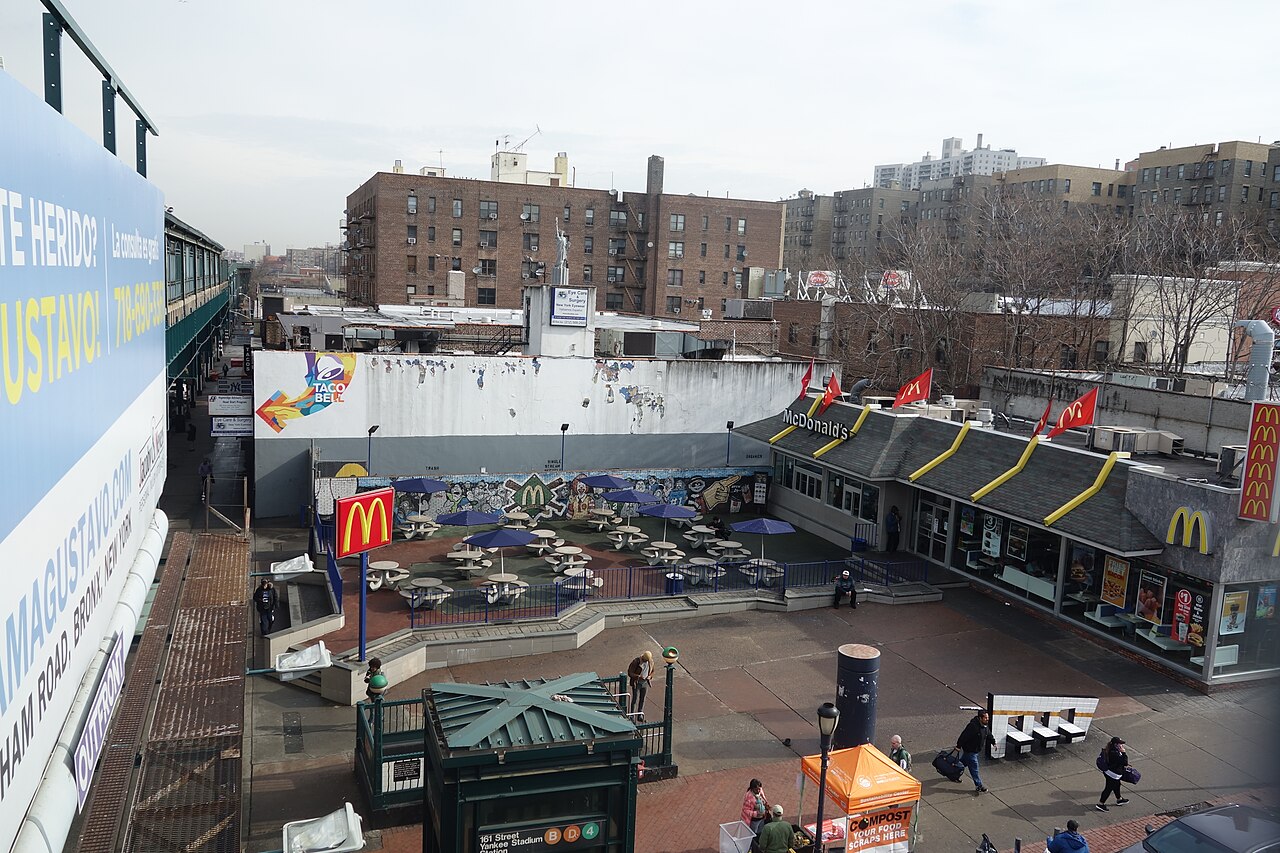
(1146, 175)
(724, 278)
(737, 280)
(1177, 195)
(1248, 168)
(1122, 191)
(728, 225)
(1244, 192)
(1195, 195)
(431, 204)
(455, 264)
(586, 273)
(1217, 218)
(675, 249)
(727, 247)
(431, 233)
(589, 216)
(529, 242)
(413, 204)
(617, 275)
(1096, 189)
(588, 245)
(1209, 167)
(1275, 200)
(618, 246)
(677, 222)
(457, 237)
(411, 233)
(675, 278)
(1275, 175)
(531, 213)
(706, 222)
(457, 208)
(431, 263)
(567, 212)
(613, 301)
(1222, 192)
(1140, 352)
(793, 333)
(411, 264)
(702, 251)
(488, 267)
(702, 276)
(487, 296)
(531, 269)
(488, 239)
(1066, 185)
(488, 210)
(673, 304)
(617, 219)
(1182, 171)
(742, 227)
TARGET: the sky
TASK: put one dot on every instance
(271, 112)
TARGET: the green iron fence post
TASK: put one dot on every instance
(667, 707)
(376, 781)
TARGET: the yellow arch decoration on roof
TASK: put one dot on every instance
(942, 457)
(1007, 475)
(1087, 493)
(787, 431)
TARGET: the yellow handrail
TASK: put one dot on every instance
(943, 457)
(1007, 475)
(1086, 494)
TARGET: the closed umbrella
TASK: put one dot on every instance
(501, 538)
(665, 511)
(763, 526)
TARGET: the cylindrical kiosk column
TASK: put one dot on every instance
(857, 674)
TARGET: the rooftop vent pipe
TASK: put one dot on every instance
(1260, 354)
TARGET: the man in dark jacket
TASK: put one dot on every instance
(639, 675)
(975, 738)
(844, 586)
(1070, 841)
(266, 599)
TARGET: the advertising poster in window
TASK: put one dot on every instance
(569, 306)
(967, 514)
(1181, 615)
(1150, 604)
(1115, 581)
(1235, 609)
(1196, 627)
(991, 535)
(1266, 606)
(1018, 541)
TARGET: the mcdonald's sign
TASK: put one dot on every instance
(364, 522)
(1190, 522)
(1258, 474)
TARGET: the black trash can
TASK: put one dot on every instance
(675, 583)
(857, 544)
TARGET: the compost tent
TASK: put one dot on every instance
(862, 778)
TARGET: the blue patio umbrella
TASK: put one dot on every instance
(500, 538)
(763, 526)
(468, 518)
(630, 496)
(420, 485)
(606, 481)
(665, 511)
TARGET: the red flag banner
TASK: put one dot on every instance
(1258, 473)
(829, 396)
(1078, 413)
(917, 389)
(804, 380)
(1044, 419)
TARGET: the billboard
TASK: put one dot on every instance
(82, 388)
(364, 522)
(1258, 479)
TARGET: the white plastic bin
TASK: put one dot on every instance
(735, 837)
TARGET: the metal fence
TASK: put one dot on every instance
(324, 539)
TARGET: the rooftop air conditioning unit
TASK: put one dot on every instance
(493, 216)
(947, 400)
(1231, 460)
(412, 241)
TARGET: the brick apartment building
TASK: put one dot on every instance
(1236, 179)
(430, 239)
(806, 242)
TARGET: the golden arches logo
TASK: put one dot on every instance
(1075, 410)
(1190, 522)
(1263, 452)
(532, 495)
(912, 387)
(1254, 508)
(1258, 488)
(1275, 549)
(1266, 415)
(1264, 433)
(362, 512)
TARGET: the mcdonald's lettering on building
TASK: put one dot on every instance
(1258, 471)
(364, 522)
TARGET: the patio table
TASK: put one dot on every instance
(700, 536)
(419, 525)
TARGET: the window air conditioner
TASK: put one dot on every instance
(412, 240)
(679, 255)
(613, 251)
(493, 216)
(612, 279)
(533, 248)
(484, 245)
(524, 275)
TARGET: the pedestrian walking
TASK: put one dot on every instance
(754, 805)
(777, 835)
(844, 586)
(639, 674)
(892, 528)
(1116, 760)
(375, 681)
(975, 738)
(191, 437)
(266, 599)
(1070, 841)
(206, 478)
(898, 753)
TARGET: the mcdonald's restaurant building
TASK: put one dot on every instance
(1144, 552)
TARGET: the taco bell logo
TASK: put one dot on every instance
(327, 375)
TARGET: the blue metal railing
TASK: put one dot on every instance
(324, 540)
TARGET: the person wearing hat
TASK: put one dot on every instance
(844, 586)
(1070, 841)
(639, 674)
(1117, 761)
(776, 835)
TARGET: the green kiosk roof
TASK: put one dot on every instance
(514, 714)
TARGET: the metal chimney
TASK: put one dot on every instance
(1260, 354)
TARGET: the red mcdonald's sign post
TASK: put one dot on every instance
(364, 522)
(1258, 475)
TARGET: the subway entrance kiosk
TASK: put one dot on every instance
(528, 766)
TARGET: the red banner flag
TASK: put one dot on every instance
(917, 389)
(804, 380)
(829, 396)
(1044, 419)
(1078, 413)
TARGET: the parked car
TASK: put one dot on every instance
(1226, 829)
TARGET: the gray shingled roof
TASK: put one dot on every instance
(890, 447)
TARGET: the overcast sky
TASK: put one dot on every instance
(270, 112)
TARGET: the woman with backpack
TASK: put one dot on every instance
(1112, 761)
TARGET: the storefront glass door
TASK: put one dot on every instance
(933, 518)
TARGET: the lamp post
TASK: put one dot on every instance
(564, 430)
(728, 442)
(828, 715)
(368, 456)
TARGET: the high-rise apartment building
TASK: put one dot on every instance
(1224, 179)
(1072, 187)
(954, 161)
(430, 239)
(865, 218)
(806, 237)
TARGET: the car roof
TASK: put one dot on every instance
(1236, 827)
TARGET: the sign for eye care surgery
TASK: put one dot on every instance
(569, 306)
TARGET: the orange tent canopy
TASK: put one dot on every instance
(862, 778)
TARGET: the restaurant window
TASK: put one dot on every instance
(933, 519)
(860, 500)
(808, 480)
(487, 296)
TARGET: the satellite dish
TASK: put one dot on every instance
(476, 270)
(650, 244)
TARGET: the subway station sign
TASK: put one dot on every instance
(570, 834)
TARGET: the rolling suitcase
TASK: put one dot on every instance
(948, 764)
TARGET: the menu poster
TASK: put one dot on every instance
(1017, 547)
(992, 534)
(1115, 581)
(1181, 615)
(1196, 630)
(1266, 606)
(1150, 604)
(1235, 607)
(967, 514)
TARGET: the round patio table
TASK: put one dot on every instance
(426, 583)
(502, 577)
(568, 550)
(384, 565)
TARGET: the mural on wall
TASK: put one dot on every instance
(550, 495)
(328, 376)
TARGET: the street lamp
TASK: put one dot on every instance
(564, 430)
(828, 715)
(368, 456)
(728, 443)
